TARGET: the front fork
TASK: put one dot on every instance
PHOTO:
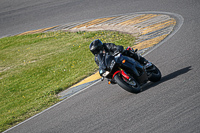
(112, 81)
(127, 78)
(124, 75)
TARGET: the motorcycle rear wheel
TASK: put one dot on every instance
(155, 75)
(127, 85)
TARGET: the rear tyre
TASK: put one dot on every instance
(154, 74)
(130, 86)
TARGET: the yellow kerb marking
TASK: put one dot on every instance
(138, 19)
(88, 79)
(149, 43)
(37, 31)
(93, 22)
(158, 26)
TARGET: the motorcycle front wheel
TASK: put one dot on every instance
(130, 86)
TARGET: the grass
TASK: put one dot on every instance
(36, 67)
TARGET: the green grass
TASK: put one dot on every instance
(36, 67)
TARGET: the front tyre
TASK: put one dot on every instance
(130, 86)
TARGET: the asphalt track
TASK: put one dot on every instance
(171, 105)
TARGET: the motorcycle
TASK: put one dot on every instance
(129, 73)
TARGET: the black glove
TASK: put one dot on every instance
(120, 49)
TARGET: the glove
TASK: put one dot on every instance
(120, 49)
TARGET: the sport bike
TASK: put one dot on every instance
(129, 73)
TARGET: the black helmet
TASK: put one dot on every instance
(96, 46)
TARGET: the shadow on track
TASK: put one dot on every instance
(166, 78)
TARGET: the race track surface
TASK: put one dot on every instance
(171, 105)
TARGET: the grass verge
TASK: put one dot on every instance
(36, 67)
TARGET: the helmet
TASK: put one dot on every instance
(96, 46)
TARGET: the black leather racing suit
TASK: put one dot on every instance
(109, 50)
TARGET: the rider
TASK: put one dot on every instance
(100, 49)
